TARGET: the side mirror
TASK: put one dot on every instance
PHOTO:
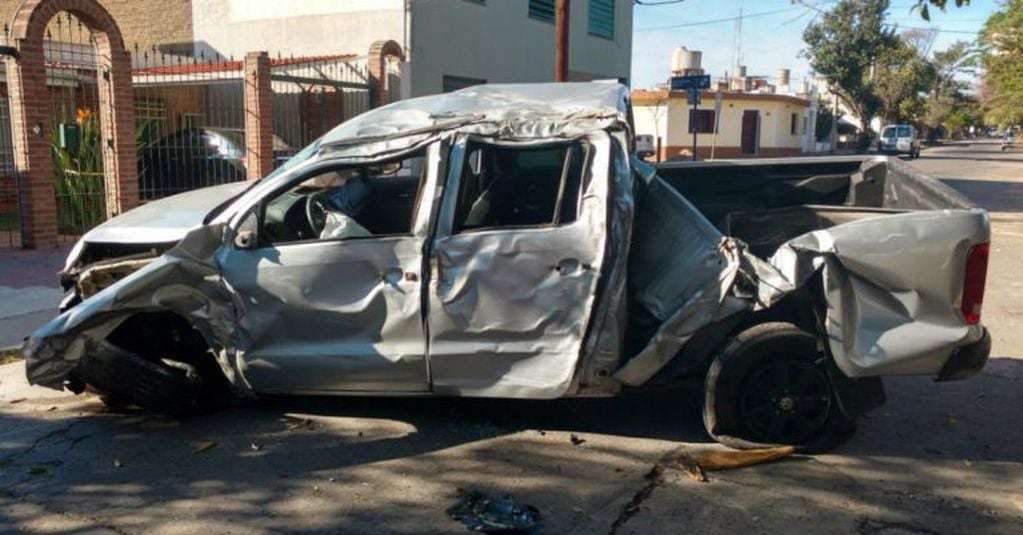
(245, 236)
(245, 239)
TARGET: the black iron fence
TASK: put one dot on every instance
(189, 121)
(10, 219)
(314, 94)
(75, 135)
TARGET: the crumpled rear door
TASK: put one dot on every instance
(508, 305)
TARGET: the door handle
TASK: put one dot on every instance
(394, 275)
(568, 266)
(438, 270)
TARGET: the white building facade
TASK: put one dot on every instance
(448, 44)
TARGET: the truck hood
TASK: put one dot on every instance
(166, 220)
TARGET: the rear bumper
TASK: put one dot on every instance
(967, 360)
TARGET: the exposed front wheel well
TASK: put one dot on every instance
(158, 361)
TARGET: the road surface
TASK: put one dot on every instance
(938, 458)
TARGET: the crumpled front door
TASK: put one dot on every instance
(510, 297)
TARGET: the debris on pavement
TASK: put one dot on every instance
(37, 470)
(295, 423)
(18, 400)
(482, 513)
(576, 440)
(255, 447)
(694, 464)
(654, 478)
(204, 447)
(118, 463)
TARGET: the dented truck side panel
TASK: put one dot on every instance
(543, 311)
(508, 307)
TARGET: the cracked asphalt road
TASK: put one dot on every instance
(937, 458)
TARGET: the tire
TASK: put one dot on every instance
(768, 387)
(125, 378)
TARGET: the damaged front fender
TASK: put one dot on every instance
(185, 280)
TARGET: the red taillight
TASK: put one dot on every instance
(973, 283)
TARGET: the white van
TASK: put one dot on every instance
(899, 139)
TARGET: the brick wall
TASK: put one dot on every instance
(162, 23)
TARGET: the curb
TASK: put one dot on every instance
(1005, 218)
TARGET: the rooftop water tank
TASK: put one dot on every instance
(684, 61)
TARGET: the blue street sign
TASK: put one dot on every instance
(700, 81)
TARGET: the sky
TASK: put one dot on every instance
(772, 33)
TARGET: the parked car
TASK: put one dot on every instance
(501, 241)
(899, 139)
(196, 157)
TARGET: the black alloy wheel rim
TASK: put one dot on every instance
(785, 402)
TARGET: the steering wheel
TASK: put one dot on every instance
(316, 211)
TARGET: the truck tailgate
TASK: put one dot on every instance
(893, 287)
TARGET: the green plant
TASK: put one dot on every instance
(79, 180)
(78, 176)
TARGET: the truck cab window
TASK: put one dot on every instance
(504, 186)
(347, 202)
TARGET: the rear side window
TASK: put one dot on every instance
(520, 187)
(905, 131)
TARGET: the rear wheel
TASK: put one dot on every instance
(769, 387)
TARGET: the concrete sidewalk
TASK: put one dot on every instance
(29, 291)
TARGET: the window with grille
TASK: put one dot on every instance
(451, 83)
(601, 18)
(150, 120)
(701, 121)
(542, 10)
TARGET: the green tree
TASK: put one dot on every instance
(843, 46)
(921, 6)
(901, 74)
(946, 93)
(1002, 39)
(825, 116)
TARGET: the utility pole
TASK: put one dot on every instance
(694, 96)
(561, 41)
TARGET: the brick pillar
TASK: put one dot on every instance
(377, 60)
(117, 121)
(258, 116)
(33, 159)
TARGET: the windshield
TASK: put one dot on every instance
(298, 158)
(893, 132)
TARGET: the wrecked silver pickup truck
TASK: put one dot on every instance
(500, 241)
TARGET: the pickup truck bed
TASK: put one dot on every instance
(767, 202)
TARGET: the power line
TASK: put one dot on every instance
(936, 30)
(716, 21)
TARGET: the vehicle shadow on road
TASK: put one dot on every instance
(998, 196)
(302, 464)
